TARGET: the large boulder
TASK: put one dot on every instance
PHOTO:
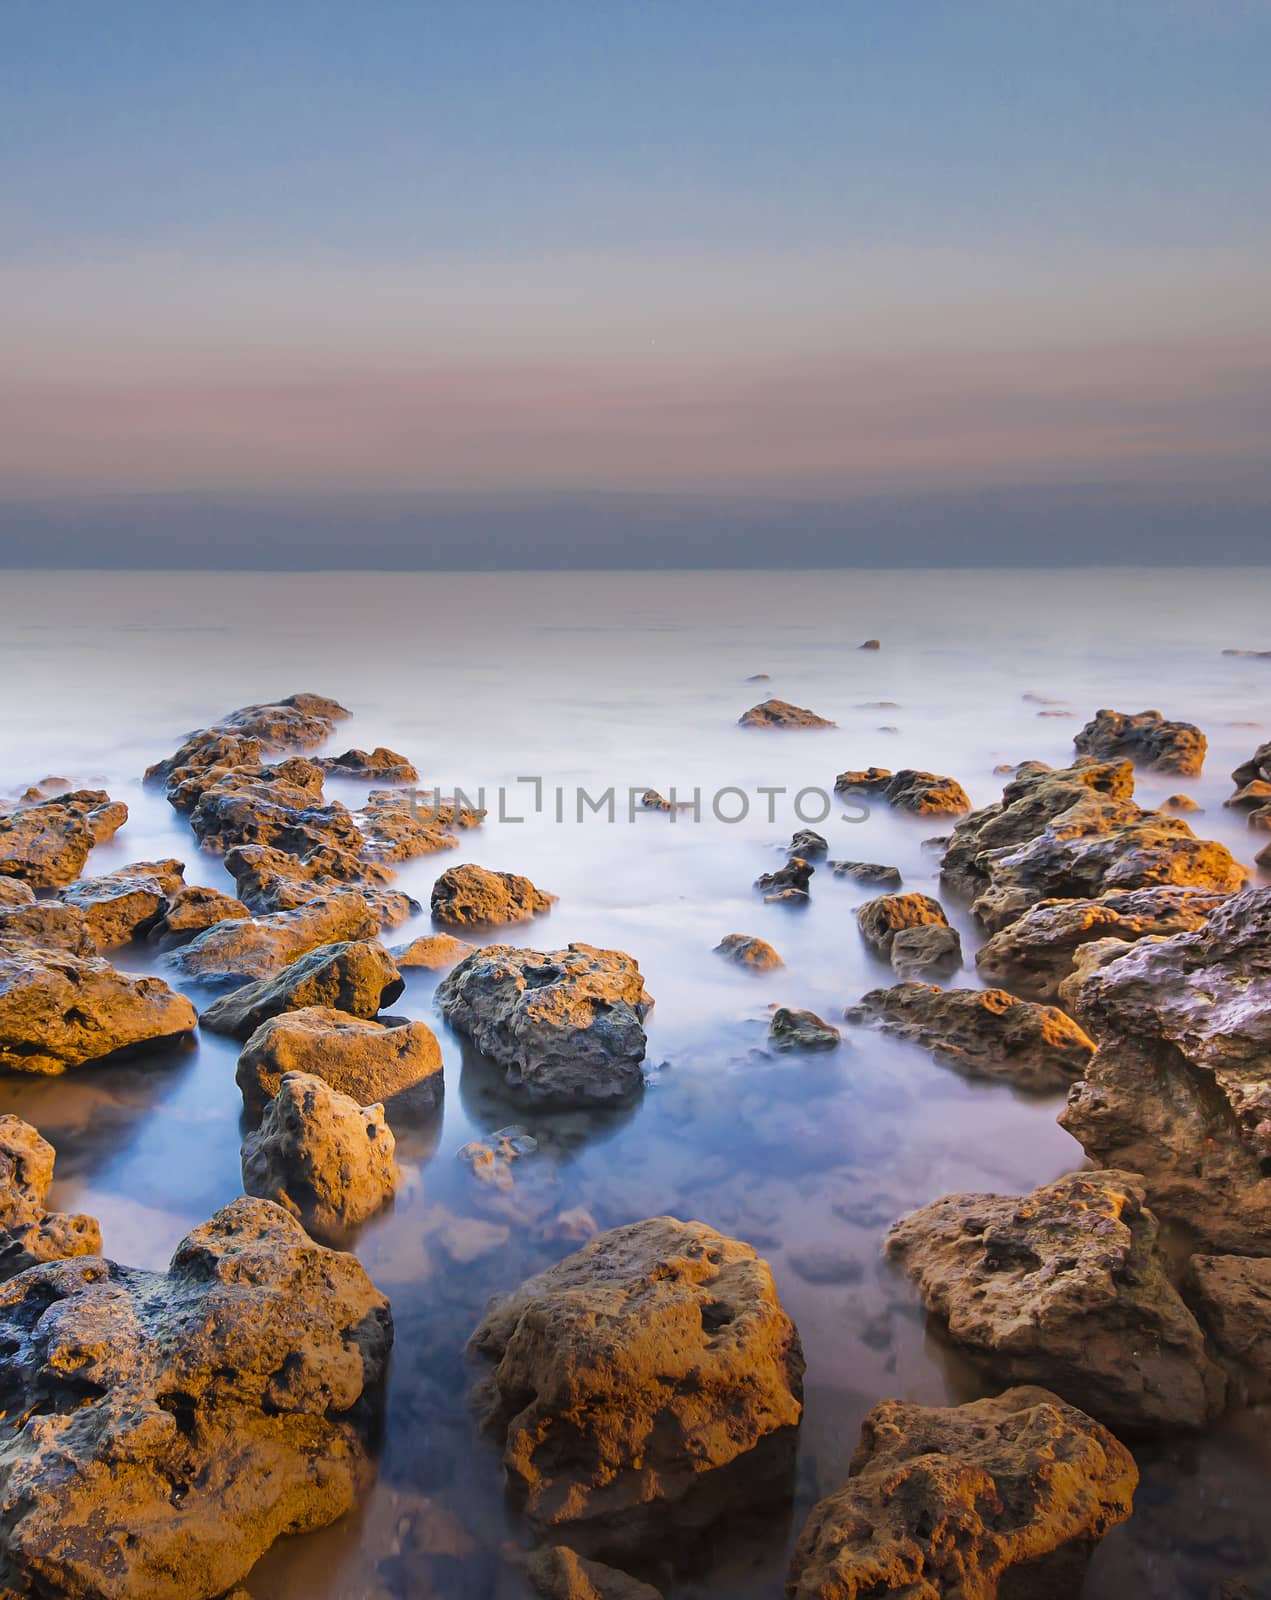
(321, 1156)
(1180, 1086)
(781, 714)
(984, 1033)
(240, 952)
(166, 1427)
(1035, 954)
(1006, 1496)
(357, 977)
(1066, 1287)
(300, 722)
(566, 1026)
(29, 1233)
(643, 1385)
(46, 844)
(48, 925)
(469, 896)
(1146, 738)
(365, 1060)
(124, 905)
(59, 1010)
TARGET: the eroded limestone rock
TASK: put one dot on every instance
(359, 978)
(46, 844)
(781, 714)
(1146, 738)
(365, 1060)
(469, 896)
(29, 1233)
(744, 951)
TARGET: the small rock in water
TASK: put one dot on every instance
(1179, 802)
(868, 872)
(809, 844)
(491, 1158)
(880, 920)
(192, 910)
(871, 644)
(789, 883)
(358, 977)
(866, 780)
(470, 896)
(364, 1059)
(745, 951)
(801, 1030)
(781, 714)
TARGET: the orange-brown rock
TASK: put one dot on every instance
(125, 904)
(781, 714)
(357, 977)
(366, 1060)
(238, 951)
(469, 896)
(559, 1573)
(46, 844)
(744, 951)
(432, 952)
(880, 920)
(30, 1234)
(1146, 738)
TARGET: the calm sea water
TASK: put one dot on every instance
(590, 681)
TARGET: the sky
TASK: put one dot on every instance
(729, 283)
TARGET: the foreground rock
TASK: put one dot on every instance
(744, 951)
(643, 1385)
(166, 1427)
(46, 844)
(1179, 1088)
(468, 896)
(432, 952)
(1035, 954)
(781, 714)
(241, 952)
(801, 1030)
(28, 1233)
(1075, 834)
(984, 1033)
(58, 1010)
(122, 906)
(566, 1026)
(321, 1156)
(365, 1060)
(1066, 1286)
(359, 978)
(1001, 1496)
(1147, 739)
(559, 1573)
(47, 925)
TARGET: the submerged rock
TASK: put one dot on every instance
(469, 896)
(59, 1010)
(867, 872)
(433, 952)
(386, 765)
(984, 1033)
(167, 1427)
(359, 978)
(791, 882)
(1001, 1496)
(124, 905)
(801, 1030)
(241, 952)
(1067, 1287)
(1147, 739)
(28, 1233)
(566, 1026)
(47, 843)
(642, 1386)
(744, 951)
(365, 1060)
(880, 920)
(781, 714)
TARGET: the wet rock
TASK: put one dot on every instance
(1066, 1286)
(643, 1385)
(296, 783)
(194, 909)
(300, 722)
(865, 780)
(984, 1033)
(469, 896)
(926, 794)
(1035, 954)
(386, 765)
(929, 951)
(365, 1060)
(122, 906)
(867, 872)
(651, 800)
(432, 952)
(882, 919)
(28, 1233)
(790, 882)
(226, 818)
(1179, 1087)
(59, 1010)
(801, 1030)
(46, 844)
(809, 844)
(559, 1573)
(1002, 1496)
(48, 925)
(744, 951)
(566, 1026)
(1231, 1295)
(323, 1158)
(1179, 802)
(14, 893)
(240, 952)
(359, 978)
(781, 714)
(269, 880)
(399, 827)
(167, 1427)
(1147, 739)
(1074, 835)
(871, 644)
(1256, 770)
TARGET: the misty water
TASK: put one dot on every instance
(598, 681)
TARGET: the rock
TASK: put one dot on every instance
(386, 765)
(399, 827)
(926, 952)
(300, 722)
(359, 978)
(193, 910)
(1179, 1087)
(433, 952)
(984, 1033)
(566, 1026)
(1006, 1496)
(1074, 834)
(469, 896)
(14, 894)
(882, 919)
(643, 1385)
(867, 872)
(59, 1010)
(167, 1427)
(651, 800)
(491, 1158)
(790, 882)
(801, 1030)
(1256, 770)
(781, 714)
(225, 818)
(1147, 739)
(871, 644)
(809, 844)
(295, 783)
(241, 952)
(365, 1060)
(28, 1233)
(48, 925)
(122, 906)
(1263, 859)
(1258, 655)
(1066, 1285)
(926, 794)
(559, 1573)
(46, 844)
(866, 780)
(269, 880)
(1035, 954)
(1179, 802)
(1231, 1296)
(745, 951)
(323, 1158)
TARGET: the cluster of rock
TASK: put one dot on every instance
(44, 843)
(911, 933)
(922, 794)
(1147, 739)
(1252, 779)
